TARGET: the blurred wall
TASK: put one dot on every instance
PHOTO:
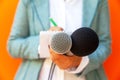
(112, 65)
(9, 65)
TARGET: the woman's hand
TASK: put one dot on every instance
(64, 61)
(57, 28)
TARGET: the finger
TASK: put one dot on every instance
(60, 29)
(56, 28)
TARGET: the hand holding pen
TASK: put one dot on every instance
(55, 27)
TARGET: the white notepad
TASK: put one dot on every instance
(45, 37)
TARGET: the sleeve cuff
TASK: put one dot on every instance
(84, 62)
(44, 41)
(42, 54)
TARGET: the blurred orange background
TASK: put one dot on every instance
(9, 65)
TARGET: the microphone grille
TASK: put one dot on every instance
(61, 42)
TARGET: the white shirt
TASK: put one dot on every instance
(68, 15)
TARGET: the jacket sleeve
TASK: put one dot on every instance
(20, 43)
(101, 25)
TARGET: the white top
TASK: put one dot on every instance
(68, 15)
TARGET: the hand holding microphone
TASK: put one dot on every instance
(63, 61)
(83, 41)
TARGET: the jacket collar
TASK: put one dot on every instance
(89, 9)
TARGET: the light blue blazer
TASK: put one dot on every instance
(32, 16)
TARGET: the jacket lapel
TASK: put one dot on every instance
(89, 8)
(42, 12)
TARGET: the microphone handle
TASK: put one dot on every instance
(68, 53)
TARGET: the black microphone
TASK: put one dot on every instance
(84, 41)
(81, 42)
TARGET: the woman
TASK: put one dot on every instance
(32, 16)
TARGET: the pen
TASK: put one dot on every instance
(53, 22)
